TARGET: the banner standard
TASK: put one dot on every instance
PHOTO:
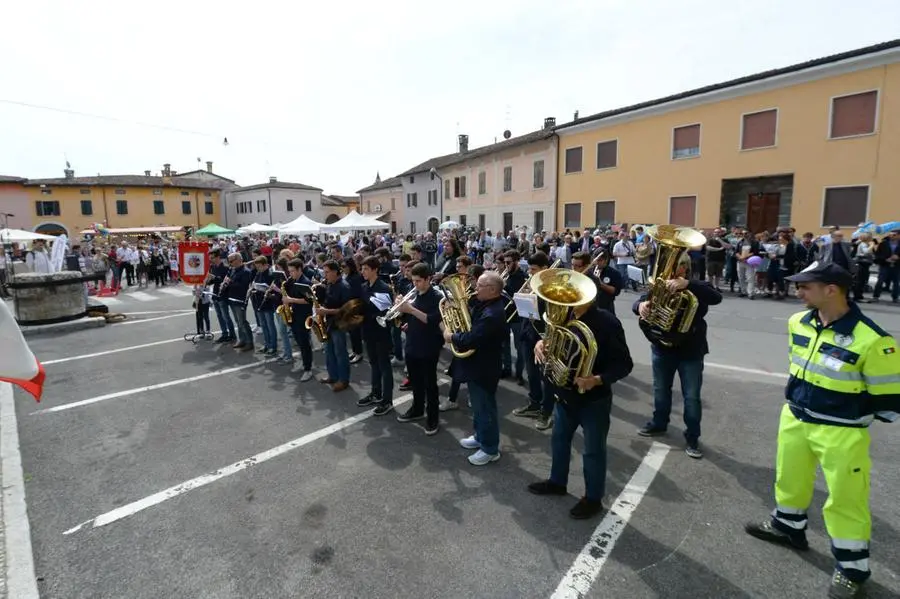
(193, 261)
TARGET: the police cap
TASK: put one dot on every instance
(830, 274)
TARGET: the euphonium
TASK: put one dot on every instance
(393, 312)
(569, 345)
(316, 322)
(282, 310)
(454, 308)
(671, 312)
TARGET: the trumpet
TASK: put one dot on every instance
(393, 312)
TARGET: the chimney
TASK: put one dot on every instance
(167, 170)
(575, 118)
(550, 122)
(70, 174)
(463, 144)
(209, 166)
(174, 173)
(146, 173)
(273, 179)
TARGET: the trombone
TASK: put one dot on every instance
(393, 312)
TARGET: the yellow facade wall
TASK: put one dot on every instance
(646, 176)
(140, 207)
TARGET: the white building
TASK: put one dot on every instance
(280, 202)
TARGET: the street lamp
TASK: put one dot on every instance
(434, 174)
(7, 246)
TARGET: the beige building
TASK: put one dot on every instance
(384, 200)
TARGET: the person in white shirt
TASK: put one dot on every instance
(624, 254)
(38, 260)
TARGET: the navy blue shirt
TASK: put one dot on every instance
(239, 283)
(370, 328)
(608, 276)
(514, 282)
(256, 296)
(296, 289)
(489, 329)
(218, 273)
(424, 339)
(694, 343)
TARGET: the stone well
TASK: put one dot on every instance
(48, 298)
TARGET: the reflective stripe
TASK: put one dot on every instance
(795, 524)
(837, 375)
(883, 379)
(867, 419)
(850, 544)
(790, 510)
(860, 564)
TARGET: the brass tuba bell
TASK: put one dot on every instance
(454, 308)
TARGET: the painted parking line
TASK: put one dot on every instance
(581, 576)
(201, 481)
(137, 390)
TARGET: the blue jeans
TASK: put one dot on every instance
(226, 325)
(888, 276)
(484, 417)
(623, 272)
(239, 314)
(337, 362)
(302, 336)
(270, 334)
(690, 372)
(284, 333)
(593, 417)
(536, 395)
(515, 328)
(379, 351)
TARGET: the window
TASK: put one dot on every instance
(412, 179)
(572, 216)
(159, 207)
(853, 115)
(462, 220)
(415, 199)
(758, 129)
(394, 207)
(87, 208)
(47, 208)
(608, 154)
(185, 193)
(538, 221)
(308, 205)
(289, 205)
(507, 222)
(845, 206)
(157, 192)
(573, 160)
(683, 210)
(481, 222)
(120, 192)
(260, 205)
(482, 183)
(393, 226)
(207, 194)
(46, 192)
(605, 213)
(121, 206)
(208, 207)
(412, 228)
(686, 141)
(85, 192)
(507, 178)
(186, 207)
(432, 197)
(459, 187)
(447, 189)
(538, 174)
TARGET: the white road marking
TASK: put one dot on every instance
(201, 481)
(140, 296)
(175, 291)
(113, 351)
(20, 577)
(779, 375)
(119, 324)
(107, 301)
(127, 392)
(157, 312)
(581, 576)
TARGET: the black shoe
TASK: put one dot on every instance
(545, 487)
(765, 531)
(432, 429)
(520, 381)
(383, 408)
(505, 374)
(586, 508)
(843, 588)
(368, 400)
(409, 416)
(648, 430)
(405, 386)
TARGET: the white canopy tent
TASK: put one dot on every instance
(20, 235)
(258, 228)
(354, 221)
(302, 225)
(448, 224)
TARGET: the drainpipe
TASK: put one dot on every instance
(197, 206)
(556, 198)
(105, 210)
(269, 204)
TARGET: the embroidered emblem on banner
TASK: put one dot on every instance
(843, 340)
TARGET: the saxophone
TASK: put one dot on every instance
(671, 312)
(454, 308)
(284, 311)
(316, 322)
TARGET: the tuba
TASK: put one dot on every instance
(570, 347)
(283, 311)
(316, 322)
(454, 308)
(525, 289)
(671, 312)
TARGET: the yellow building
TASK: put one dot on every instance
(810, 146)
(72, 204)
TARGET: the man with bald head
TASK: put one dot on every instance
(481, 370)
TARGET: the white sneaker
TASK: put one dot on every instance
(396, 362)
(307, 375)
(470, 443)
(446, 405)
(479, 458)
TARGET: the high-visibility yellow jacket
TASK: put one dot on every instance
(842, 374)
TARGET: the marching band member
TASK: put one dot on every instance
(337, 362)
(609, 283)
(377, 299)
(238, 282)
(446, 264)
(402, 286)
(514, 281)
(540, 403)
(263, 305)
(423, 347)
(474, 271)
(387, 272)
(481, 370)
(356, 282)
(588, 405)
(295, 301)
(217, 273)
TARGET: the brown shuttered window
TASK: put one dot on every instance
(572, 216)
(686, 141)
(573, 160)
(683, 210)
(845, 206)
(853, 115)
(759, 130)
(607, 154)
(605, 213)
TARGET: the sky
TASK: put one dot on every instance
(329, 93)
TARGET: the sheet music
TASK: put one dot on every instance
(527, 305)
(382, 301)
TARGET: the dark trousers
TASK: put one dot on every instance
(379, 351)
(423, 378)
(301, 335)
(397, 340)
(690, 371)
(862, 279)
(356, 341)
(203, 318)
(593, 418)
(888, 277)
(129, 272)
(537, 398)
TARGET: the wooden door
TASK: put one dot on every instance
(762, 212)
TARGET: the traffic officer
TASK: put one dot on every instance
(844, 373)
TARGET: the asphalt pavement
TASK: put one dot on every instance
(160, 468)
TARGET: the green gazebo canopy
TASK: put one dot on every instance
(212, 229)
